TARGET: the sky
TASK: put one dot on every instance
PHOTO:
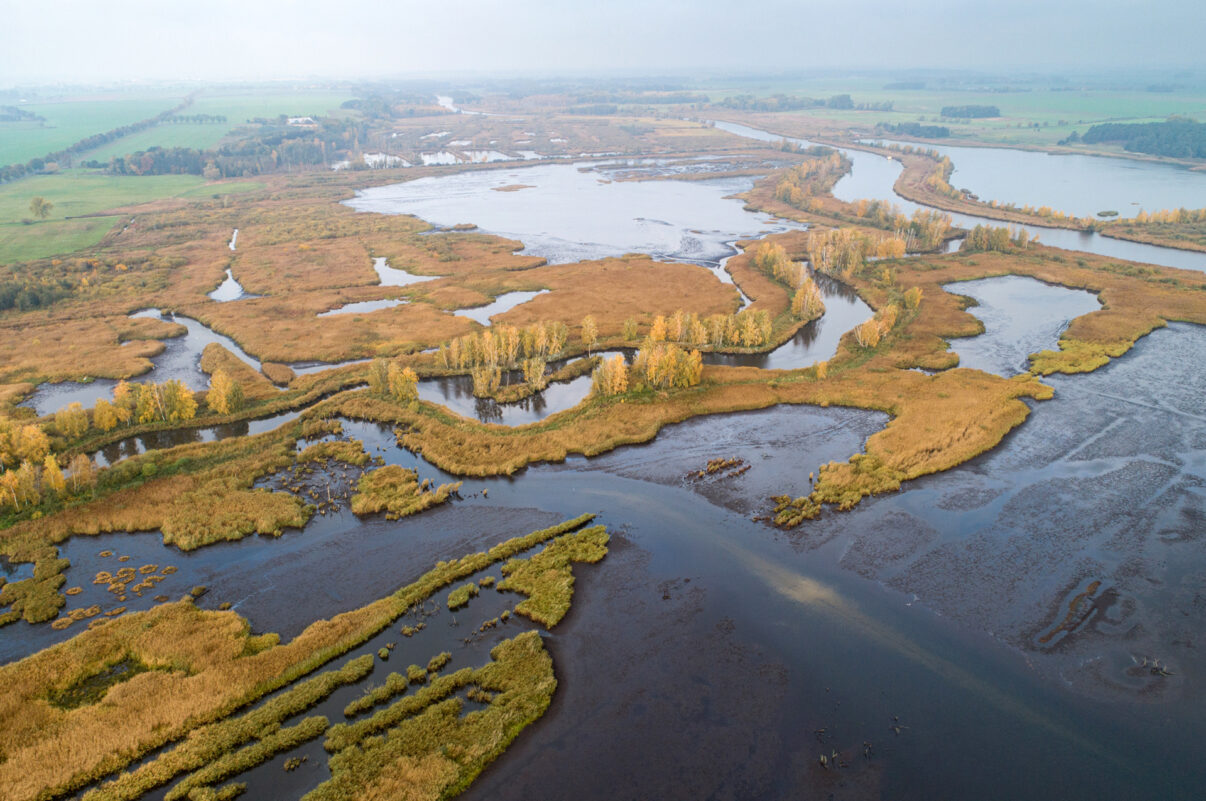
(134, 40)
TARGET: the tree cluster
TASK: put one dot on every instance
(800, 185)
(272, 148)
(390, 381)
(916, 129)
(746, 329)
(779, 102)
(29, 471)
(985, 238)
(169, 402)
(869, 333)
(664, 365)
(1176, 137)
(610, 377)
(225, 395)
(18, 114)
(1180, 216)
(195, 119)
(503, 345)
(806, 302)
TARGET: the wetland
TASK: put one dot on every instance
(945, 524)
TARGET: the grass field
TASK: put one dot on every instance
(69, 121)
(72, 120)
(238, 109)
(77, 192)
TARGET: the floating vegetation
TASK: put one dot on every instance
(730, 468)
(461, 595)
(396, 491)
(395, 684)
(547, 577)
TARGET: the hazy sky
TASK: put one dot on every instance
(95, 40)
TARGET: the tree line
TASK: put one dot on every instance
(986, 238)
(916, 129)
(970, 112)
(1176, 137)
(275, 148)
(195, 119)
(18, 114)
(657, 365)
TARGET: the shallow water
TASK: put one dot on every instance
(229, 290)
(872, 177)
(1021, 316)
(180, 360)
(575, 212)
(362, 307)
(132, 446)
(503, 303)
(394, 276)
(742, 653)
(1074, 184)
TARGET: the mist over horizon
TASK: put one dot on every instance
(140, 41)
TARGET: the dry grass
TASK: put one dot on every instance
(1186, 236)
(62, 350)
(612, 290)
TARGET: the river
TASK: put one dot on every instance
(873, 177)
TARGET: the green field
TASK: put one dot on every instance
(77, 192)
(1058, 113)
(69, 121)
(238, 109)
